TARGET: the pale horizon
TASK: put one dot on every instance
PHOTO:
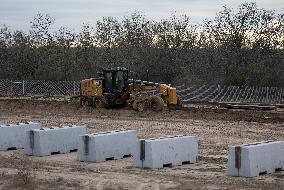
(17, 14)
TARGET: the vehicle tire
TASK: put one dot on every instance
(140, 107)
(99, 102)
(156, 103)
(84, 101)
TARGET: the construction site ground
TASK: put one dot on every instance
(216, 129)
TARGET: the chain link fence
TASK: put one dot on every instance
(189, 94)
(37, 88)
(231, 94)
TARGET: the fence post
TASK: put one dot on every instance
(74, 88)
(23, 87)
(11, 87)
(267, 95)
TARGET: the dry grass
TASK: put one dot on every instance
(25, 171)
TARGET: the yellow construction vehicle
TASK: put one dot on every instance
(113, 87)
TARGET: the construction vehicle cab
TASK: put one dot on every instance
(115, 86)
(107, 90)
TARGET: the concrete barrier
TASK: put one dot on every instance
(48, 141)
(250, 160)
(13, 136)
(99, 147)
(170, 151)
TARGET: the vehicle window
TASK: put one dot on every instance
(108, 81)
(119, 81)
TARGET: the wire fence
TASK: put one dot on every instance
(37, 88)
(231, 94)
(189, 94)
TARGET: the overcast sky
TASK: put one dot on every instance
(72, 13)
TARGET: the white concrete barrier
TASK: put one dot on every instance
(250, 160)
(170, 151)
(13, 136)
(47, 141)
(99, 147)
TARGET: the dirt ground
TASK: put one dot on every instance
(215, 129)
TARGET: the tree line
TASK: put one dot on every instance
(242, 46)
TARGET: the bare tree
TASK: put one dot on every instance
(40, 29)
(242, 46)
